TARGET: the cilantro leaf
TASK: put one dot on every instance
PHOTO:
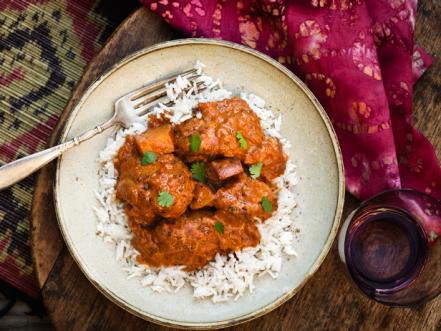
(165, 199)
(219, 227)
(255, 170)
(148, 158)
(242, 141)
(195, 143)
(266, 205)
(198, 171)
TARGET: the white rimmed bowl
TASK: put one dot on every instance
(315, 151)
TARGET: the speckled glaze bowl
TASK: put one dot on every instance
(315, 151)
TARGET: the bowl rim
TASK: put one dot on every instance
(113, 297)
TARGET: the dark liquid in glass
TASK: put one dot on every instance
(385, 250)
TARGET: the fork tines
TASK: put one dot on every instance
(156, 93)
(189, 74)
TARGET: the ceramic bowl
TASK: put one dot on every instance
(315, 151)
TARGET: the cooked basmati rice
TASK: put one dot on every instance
(227, 277)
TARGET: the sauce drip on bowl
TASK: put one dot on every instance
(187, 188)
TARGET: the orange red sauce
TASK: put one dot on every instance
(199, 218)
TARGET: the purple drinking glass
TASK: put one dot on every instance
(391, 247)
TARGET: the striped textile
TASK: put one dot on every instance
(44, 45)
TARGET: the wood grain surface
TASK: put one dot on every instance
(329, 301)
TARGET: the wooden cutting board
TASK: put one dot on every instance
(329, 301)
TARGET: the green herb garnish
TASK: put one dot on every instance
(266, 205)
(240, 138)
(255, 170)
(219, 227)
(148, 158)
(195, 143)
(198, 171)
(165, 199)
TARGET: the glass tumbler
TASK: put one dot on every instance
(391, 247)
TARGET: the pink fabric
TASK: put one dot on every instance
(360, 60)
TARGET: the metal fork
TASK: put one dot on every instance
(131, 108)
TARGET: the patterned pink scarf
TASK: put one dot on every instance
(360, 60)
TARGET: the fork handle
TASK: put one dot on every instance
(15, 171)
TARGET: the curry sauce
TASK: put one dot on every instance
(188, 190)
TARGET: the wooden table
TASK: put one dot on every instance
(329, 301)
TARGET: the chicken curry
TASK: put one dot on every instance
(197, 188)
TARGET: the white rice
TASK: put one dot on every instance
(227, 277)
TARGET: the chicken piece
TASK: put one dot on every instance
(137, 201)
(271, 154)
(166, 174)
(238, 232)
(218, 128)
(155, 121)
(158, 140)
(203, 197)
(192, 240)
(243, 197)
(175, 179)
(128, 163)
(220, 170)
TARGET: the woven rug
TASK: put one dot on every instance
(44, 45)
